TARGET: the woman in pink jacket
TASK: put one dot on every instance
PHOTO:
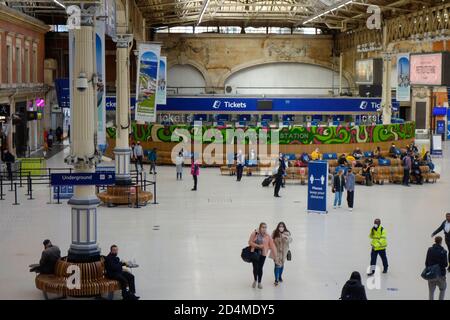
(261, 242)
(195, 171)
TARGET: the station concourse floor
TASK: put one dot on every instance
(195, 254)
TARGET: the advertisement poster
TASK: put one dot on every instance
(403, 79)
(146, 86)
(364, 71)
(426, 69)
(162, 82)
(317, 186)
(101, 89)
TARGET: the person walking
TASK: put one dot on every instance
(338, 188)
(350, 187)
(437, 256)
(261, 242)
(179, 165)
(240, 162)
(195, 171)
(379, 244)
(407, 165)
(152, 156)
(139, 156)
(353, 288)
(445, 226)
(282, 238)
(279, 180)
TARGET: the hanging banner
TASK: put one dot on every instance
(101, 88)
(146, 85)
(403, 78)
(162, 76)
(110, 14)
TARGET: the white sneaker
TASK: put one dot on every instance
(254, 285)
(334, 207)
(350, 209)
(260, 286)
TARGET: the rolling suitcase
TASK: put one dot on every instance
(267, 181)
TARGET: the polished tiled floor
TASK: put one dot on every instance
(195, 254)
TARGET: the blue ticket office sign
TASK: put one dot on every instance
(317, 186)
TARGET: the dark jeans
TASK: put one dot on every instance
(152, 166)
(179, 175)
(278, 183)
(373, 259)
(125, 279)
(195, 182)
(406, 176)
(447, 242)
(239, 171)
(350, 198)
(139, 162)
(258, 268)
(9, 169)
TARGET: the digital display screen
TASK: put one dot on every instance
(426, 69)
(364, 71)
(264, 105)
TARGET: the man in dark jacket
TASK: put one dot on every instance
(9, 159)
(338, 188)
(353, 288)
(407, 164)
(49, 257)
(114, 270)
(445, 226)
(437, 255)
(279, 178)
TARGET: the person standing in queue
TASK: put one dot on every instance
(338, 188)
(9, 159)
(139, 156)
(350, 186)
(379, 244)
(261, 242)
(437, 255)
(353, 288)
(195, 172)
(445, 226)
(282, 238)
(279, 179)
(240, 162)
(407, 165)
(152, 156)
(179, 165)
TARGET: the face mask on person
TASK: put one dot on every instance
(376, 226)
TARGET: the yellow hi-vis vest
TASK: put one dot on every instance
(378, 237)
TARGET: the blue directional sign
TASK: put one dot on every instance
(317, 186)
(76, 179)
(65, 192)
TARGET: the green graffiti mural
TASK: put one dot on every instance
(290, 135)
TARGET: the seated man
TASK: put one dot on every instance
(415, 170)
(394, 152)
(342, 161)
(114, 271)
(49, 257)
(357, 154)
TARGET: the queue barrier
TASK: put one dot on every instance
(34, 176)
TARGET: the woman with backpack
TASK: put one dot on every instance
(260, 243)
(353, 288)
(281, 238)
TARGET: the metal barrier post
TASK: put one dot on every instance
(1, 187)
(50, 197)
(57, 194)
(49, 176)
(154, 192)
(145, 181)
(11, 187)
(15, 195)
(30, 188)
(20, 176)
(28, 183)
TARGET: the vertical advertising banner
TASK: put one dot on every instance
(101, 88)
(317, 186)
(147, 82)
(403, 78)
(162, 76)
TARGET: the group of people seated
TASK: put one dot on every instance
(114, 268)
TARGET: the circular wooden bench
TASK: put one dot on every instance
(123, 195)
(92, 279)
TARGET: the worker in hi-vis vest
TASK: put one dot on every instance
(379, 244)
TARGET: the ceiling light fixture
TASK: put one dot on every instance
(205, 6)
(59, 4)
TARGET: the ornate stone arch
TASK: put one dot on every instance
(305, 60)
